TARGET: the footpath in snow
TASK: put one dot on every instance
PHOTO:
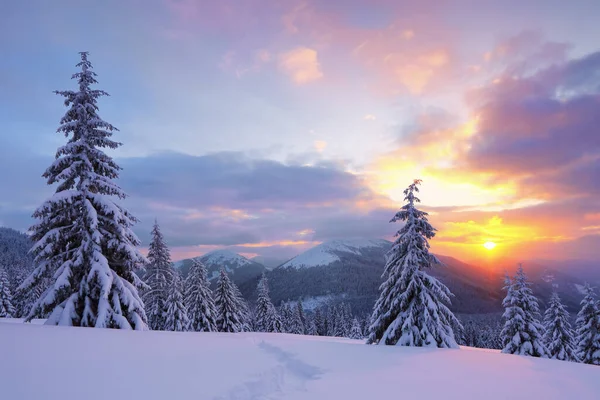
(59, 363)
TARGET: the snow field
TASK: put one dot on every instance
(60, 363)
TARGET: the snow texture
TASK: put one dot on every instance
(266, 366)
(326, 253)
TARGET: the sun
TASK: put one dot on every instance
(489, 245)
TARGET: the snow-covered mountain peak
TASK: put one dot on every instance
(329, 252)
(222, 257)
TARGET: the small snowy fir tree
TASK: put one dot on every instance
(411, 309)
(266, 316)
(286, 317)
(311, 327)
(245, 312)
(198, 298)
(159, 276)
(296, 324)
(319, 322)
(230, 313)
(83, 239)
(6, 307)
(522, 332)
(355, 331)
(558, 336)
(588, 329)
(340, 323)
(176, 318)
(301, 313)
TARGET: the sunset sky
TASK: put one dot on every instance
(271, 126)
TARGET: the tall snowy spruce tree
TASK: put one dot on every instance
(198, 298)
(411, 309)
(266, 316)
(6, 306)
(588, 329)
(83, 239)
(176, 317)
(558, 336)
(522, 333)
(230, 310)
(158, 277)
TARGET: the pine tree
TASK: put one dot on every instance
(246, 315)
(176, 318)
(230, 316)
(198, 298)
(301, 313)
(296, 325)
(330, 320)
(83, 239)
(286, 317)
(355, 331)
(558, 336)
(319, 323)
(339, 322)
(522, 331)
(266, 316)
(411, 309)
(6, 307)
(159, 276)
(588, 329)
(311, 327)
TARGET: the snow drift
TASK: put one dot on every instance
(61, 363)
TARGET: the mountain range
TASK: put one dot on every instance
(350, 271)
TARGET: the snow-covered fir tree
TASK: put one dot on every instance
(230, 312)
(6, 307)
(286, 317)
(319, 323)
(266, 318)
(301, 313)
(588, 328)
(330, 320)
(176, 318)
(159, 276)
(558, 335)
(311, 327)
(201, 309)
(245, 312)
(411, 309)
(296, 324)
(355, 331)
(84, 244)
(340, 325)
(522, 332)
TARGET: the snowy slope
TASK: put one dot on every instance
(60, 363)
(329, 252)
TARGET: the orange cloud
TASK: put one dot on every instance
(320, 145)
(233, 214)
(301, 65)
(279, 243)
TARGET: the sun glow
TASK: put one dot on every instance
(489, 245)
